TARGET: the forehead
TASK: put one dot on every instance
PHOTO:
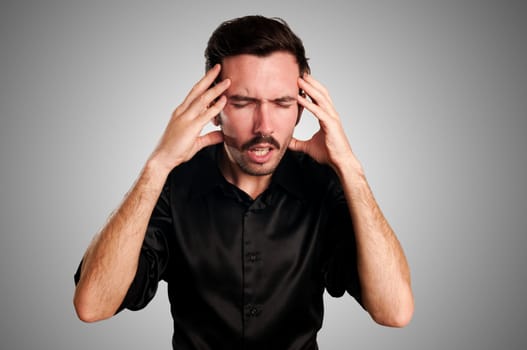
(266, 77)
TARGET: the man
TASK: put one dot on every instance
(248, 225)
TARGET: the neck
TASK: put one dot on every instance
(253, 185)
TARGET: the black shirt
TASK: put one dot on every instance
(244, 273)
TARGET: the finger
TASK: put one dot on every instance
(319, 86)
(201, 86)
(208, 105)
(209, 139)
(311, 106)
(318, 96)
(317, 104)
(213, 110)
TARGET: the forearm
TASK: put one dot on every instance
(110, 262)
(383, 269)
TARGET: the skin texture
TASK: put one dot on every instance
(110, 262)
(382, 265)
(259, 118)
(257, 106)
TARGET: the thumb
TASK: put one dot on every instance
(297, 145)
(211, 138)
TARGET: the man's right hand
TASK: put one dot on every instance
(182, 138)
(110, 262)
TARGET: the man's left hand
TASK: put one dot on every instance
(329, 145)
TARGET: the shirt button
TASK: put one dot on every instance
(253, 312)
(253, 256)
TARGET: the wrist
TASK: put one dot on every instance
(155, 172)
(347, 165)
(158, 163)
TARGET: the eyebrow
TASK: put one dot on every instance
(243, 98)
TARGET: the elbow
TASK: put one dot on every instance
(84, 313)
(88, 312)
(86, 316)
(400, 319)
(397, 316)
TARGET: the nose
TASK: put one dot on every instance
(262, 120)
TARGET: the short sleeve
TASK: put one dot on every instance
(340, 269)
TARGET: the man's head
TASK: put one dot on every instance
(263, 59)
(254, 35)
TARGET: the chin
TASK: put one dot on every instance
(257, 171)
(254, 169)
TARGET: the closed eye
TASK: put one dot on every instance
(241, 101)
(285, 102)
(240, 104)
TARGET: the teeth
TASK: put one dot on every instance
(261, 151)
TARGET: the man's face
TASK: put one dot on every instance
(261, 111)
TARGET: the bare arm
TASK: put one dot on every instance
(111, 260)
(383, 270)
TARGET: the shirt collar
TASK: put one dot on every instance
(208, 175)
(288, 175)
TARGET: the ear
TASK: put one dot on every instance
(216, 120)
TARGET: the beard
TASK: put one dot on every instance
(260, 139)
(247, 165)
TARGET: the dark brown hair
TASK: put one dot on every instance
(255, 35)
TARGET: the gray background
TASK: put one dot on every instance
(433, 96)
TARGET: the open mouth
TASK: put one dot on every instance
(260, 154)
(261, 143)
(260, 151)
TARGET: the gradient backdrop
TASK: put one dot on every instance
(433, 96)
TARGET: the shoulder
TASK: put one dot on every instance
(310, 169)
(202, 161)
(197, 174)
(301, 172)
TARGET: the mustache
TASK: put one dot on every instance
(260, 139)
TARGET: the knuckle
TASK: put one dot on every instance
(202, 100)
(178, 110)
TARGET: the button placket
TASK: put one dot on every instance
(251, 266)
(252, 257)
(252, 310)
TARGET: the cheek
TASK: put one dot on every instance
(286, 118)
(232, 124)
